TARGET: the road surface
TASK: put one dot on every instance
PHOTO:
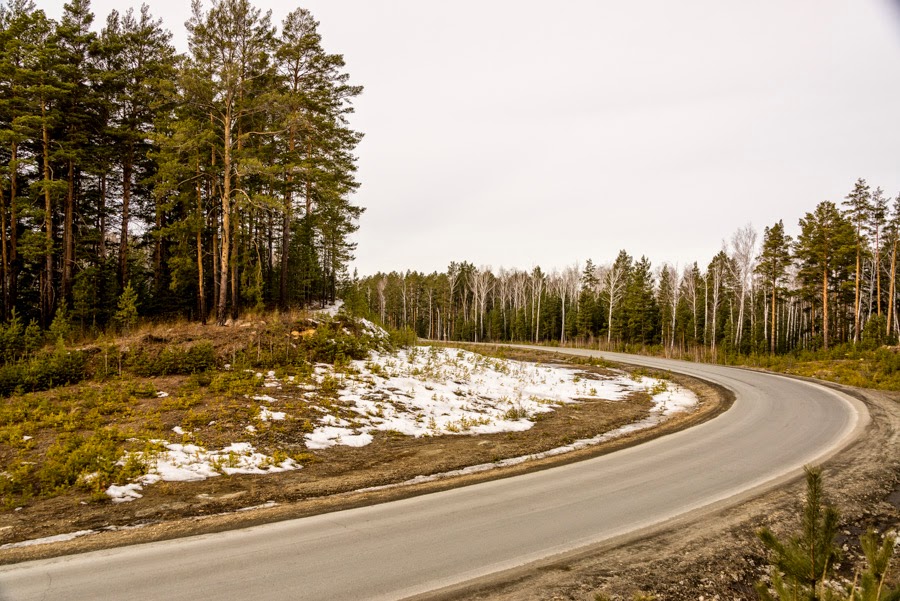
(407, 547)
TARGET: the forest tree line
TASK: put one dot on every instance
(835, 283)
(206, 182)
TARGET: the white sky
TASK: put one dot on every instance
(515, 133)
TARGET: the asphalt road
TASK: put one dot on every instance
(415, 545)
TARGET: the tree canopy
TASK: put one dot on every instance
(212, 181)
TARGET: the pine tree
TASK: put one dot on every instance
(774, 259)
(826, 244)
(640, 308)
(127, 313)
(859, 208)
(893, 237)
(875, 227)
(76, 75)
(586, 320)
(806, 559)
(230, 47)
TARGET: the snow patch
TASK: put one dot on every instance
(266, 415)
(330, 310)
(189, 463)
(47, 539)
(429, 391)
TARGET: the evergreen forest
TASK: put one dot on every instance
(834, 285)
(197, 185)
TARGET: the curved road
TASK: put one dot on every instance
(415, 545)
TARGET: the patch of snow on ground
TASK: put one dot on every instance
(373, 330)
(429, 391)
(47, 539)
(330, 310)
(265, 415)
(676, 398)
(186, 463)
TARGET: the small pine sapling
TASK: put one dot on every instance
(872, 585)
(805, 560)
(127, 314)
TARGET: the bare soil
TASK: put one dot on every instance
(330, 479)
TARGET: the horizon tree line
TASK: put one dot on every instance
(834, 284)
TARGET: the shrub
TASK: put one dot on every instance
(44, 371)
(329, 342)
(403, 338)
(173, 361)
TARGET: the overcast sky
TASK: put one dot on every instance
(517, 133)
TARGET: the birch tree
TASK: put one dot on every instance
(566, 286)
(876, 224)
(614, 281)
(480, 283)
(743, 254)
(716, 274)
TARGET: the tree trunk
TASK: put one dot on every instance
(892, 287)
(286, 226)
(235, 248)
(68, 272)
(101, 249)
(609, 322)
(225, 256)
(4, 268)
(825, 306)
(856, 305)
(47, 281)
(127, 167)
(774, 312)
(878, 271)
(158, 252)
(201, 292)
(13, 227)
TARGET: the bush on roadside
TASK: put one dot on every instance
(173, 360)
(43, 371)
